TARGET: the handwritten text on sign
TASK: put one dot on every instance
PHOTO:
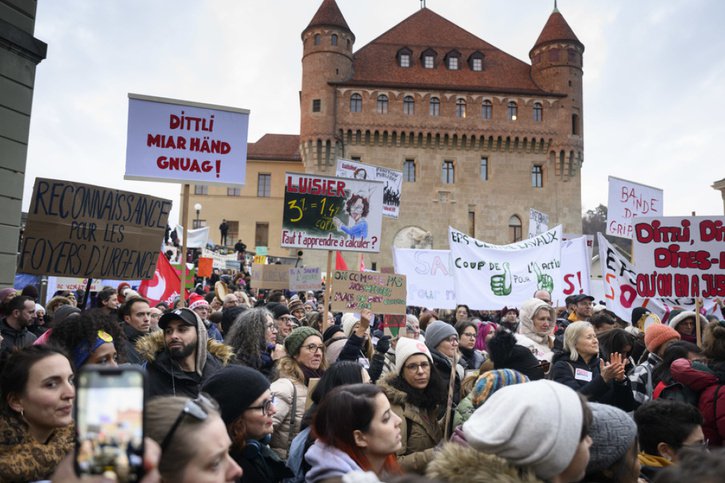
(680, 256)
(382, 293)
(305, 278)
(81, 230)
(628, 200)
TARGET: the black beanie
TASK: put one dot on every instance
(331, 331)
(277, 309)
(637, 314)
(235, 388)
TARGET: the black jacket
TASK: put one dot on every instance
(443, 366)
(15, 338)
(260, 464)
(132, 336)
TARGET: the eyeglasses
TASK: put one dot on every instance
(413, 367)
(266, 406)
(470, 335)
(702, 444)
(271, 326)
(194, 408)
(314, 347)
(452, 339)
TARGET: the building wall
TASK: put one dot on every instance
(20, 52)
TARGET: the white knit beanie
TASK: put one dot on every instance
(535, 424)
(348, 323)
(406, 348)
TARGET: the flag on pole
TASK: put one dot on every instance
(164, 287)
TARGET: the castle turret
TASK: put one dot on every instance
(327, 57)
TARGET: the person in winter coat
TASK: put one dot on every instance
(442, 341)
(613, 456)
(467, 332)
(581, 368)
(657, 337)
(667, 387)
(305, 360)
(684, 323)
(417, 394)
(507, 354)
(252, 336)
(181, 357)
(536, 328)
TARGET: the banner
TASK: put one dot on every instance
(575, 262)
(589, 239)
(165, 285)
(680, 256)
(538, 222)
(272, 277)
(392, 179)
(328, 213)
(219, 261)
(198, 237)
(628, 199)
(72, 284)
(185, 142)
(487, 276)
(355, 291)
(86, 231)
(305, 278)
(428, 275)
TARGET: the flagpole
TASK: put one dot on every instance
(184, 223)
(328, 288)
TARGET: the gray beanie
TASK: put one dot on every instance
(437, 332)
(613, 431)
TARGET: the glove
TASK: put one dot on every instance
(383, 345)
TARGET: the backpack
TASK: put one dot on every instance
(679, 392)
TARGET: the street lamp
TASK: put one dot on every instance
(197, 207)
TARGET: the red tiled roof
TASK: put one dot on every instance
(329, 14)
(276, 147)
(556, 29)
(376, 63)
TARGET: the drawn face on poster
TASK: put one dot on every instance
(357, 207)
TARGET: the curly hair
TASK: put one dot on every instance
(246, 335)
(713, 341)
(353, 199)
(76, 330)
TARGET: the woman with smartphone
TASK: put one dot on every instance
(36, 419)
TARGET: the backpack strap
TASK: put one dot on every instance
(293, 413)
(714, 404)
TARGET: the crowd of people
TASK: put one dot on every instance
(276, 388)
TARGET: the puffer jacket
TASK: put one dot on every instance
(420, 429)
(455, 463)
(708, 381)
(287, 425)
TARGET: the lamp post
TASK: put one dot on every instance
(197, 207)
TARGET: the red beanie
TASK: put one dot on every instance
(197, 300)
(657, 334)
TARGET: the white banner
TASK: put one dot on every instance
(429, 277)
(218, 260)
(628, 199)
(490, 276)
(393, 182)
(197, 238)
(305, 278)
(575, 261)
(538, 222)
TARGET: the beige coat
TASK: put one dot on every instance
(463, 464)
(284, 390)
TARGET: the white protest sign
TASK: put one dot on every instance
(574, 270)
(305, 278)
(628, 199)
(393, 182)
(538, 222)
(185, 142)
(589, 239)
(428, 275)
(490, 276)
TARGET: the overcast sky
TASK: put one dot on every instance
(654, 108)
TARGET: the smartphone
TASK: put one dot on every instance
(110, 422)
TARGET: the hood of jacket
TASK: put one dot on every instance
(394, 395)
(328, 462)
(150, 346)
(526, 322)
(456, 463)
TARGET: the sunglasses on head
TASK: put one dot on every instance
(196, 408)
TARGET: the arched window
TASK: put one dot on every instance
(513, 111)
(356, 103)
(317, 39)
(333, 39)
(461, 108)
(486, 109)
(514, 228)
(575, 124)
(383, 104)
(435, 106)
(538, 112)
(408, 105)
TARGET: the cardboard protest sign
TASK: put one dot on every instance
(392, 179)
(82, 230)
(428, 275)
(305, 278)
(355, 291)
(329, 213)
(538, 222)
(487, 276)
(273, 277)
(628, 199)
(574, 270)
(205, 267)
(185, 142)
(71, 284)
(680, 256)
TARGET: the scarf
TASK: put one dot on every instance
(311, 373)
(653, 461)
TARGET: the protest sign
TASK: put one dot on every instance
(305, 278)
(233, 265)
(219, 261)
(355, 291)
(259, 260)
(392, 179)
(392, 324)
(628, 199)
(428, 275)
(538, 222)
(589, 239)
(204, 267)
(185, 142)
(487, 276)
(273, 277)
(680, 256)
(71, 284)
(574, 271)
(196, 238)
(329, 213)
(86, 231)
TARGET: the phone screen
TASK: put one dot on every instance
(109, 422)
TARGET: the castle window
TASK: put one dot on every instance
(571, 54)
(408, 105)
(484, 168)
(382, 104)
(554, 55)
(448, 172)
(475, 61)
(317, 39)
(538, 112)
(435, 106)
(404, 57)
(429, 58)
(333, 39)
(356, 103)
(453, 63)
(452, 60)
(409, 170)
(513, 111)
(316, 105)
(486, 109)
(514, 229)
(461, 108)
(537, 176)
(575, 124)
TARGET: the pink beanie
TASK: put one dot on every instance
(657, 334)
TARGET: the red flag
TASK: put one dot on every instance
(339, 261)
(362, 263)
(164, 287)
